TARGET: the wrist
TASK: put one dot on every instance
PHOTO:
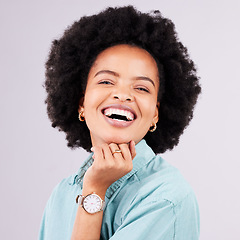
(100, 191)
(92, 203)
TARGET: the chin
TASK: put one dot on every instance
(118, 139)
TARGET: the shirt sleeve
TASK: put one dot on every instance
(45, 224)
(161, 219)
(43, 227)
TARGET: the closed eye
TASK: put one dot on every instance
(107, 82)
(143, 89)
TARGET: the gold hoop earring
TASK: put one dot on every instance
(153, 128)
(81, 117)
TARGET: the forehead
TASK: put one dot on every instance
(126, 59)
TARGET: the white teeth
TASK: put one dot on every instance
(127, 114)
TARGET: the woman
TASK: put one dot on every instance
(130, 82)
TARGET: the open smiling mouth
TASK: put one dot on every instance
(119, 114)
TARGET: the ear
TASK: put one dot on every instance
(80, 109)
(80, 106)
(156, 115)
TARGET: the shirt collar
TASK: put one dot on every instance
(78, 177)
(144, 155)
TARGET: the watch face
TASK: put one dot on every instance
(92, 203)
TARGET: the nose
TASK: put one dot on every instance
(123, 94)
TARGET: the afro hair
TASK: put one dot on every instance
(72, 56)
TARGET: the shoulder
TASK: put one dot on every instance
(159, 198)
(61, 189)
(162, 188)
(159, 180)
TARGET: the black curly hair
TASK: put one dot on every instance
(72, 56)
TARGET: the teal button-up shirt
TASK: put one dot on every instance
(153, 201)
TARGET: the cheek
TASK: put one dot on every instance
(92, 100)
(148, 108)
(90, 97)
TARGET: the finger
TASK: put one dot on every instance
(107, 153)
(125, 152)
(98, 154)
(113, 148)
(132, 149)
(127, 157)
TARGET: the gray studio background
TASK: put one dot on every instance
(34, 157)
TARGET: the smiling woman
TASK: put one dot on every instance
(122, 83)
(132, 85)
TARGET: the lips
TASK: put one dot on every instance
(119, 115)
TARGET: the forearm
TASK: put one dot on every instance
(86, 226)
(106, 169)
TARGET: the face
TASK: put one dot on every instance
(120, 101)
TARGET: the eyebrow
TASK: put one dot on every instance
(146, 79)
(107, 72)
(117, 75)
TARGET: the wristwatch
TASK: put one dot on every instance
(92, 203)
